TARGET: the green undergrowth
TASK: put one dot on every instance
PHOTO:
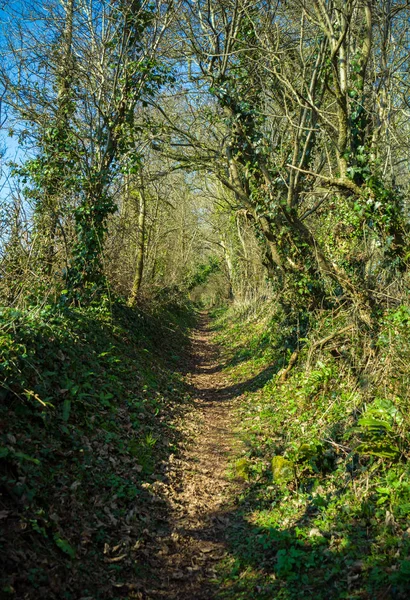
(90, 411)
(324, 513)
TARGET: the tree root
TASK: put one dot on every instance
(283, 374)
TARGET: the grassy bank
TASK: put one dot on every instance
(326, 501)
(90, 410)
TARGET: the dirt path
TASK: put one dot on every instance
(197, 490)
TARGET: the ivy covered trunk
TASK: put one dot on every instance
(139, 255)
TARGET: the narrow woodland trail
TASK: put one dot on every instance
(197, 490)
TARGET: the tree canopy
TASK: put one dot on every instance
(164, 157)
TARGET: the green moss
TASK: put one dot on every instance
(283, 470)
(241, 468)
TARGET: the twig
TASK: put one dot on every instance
(344, 183)
(330, 337)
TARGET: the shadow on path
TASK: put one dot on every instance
(195, 494)
(274, 558)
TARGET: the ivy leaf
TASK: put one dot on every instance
(380, 449)
(372, 424)
(66, 410)
(4, 452)
(64, 545)
(23, 456)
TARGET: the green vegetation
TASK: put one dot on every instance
(325, 513)
(92, 408)
(160, 158)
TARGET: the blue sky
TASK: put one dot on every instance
(9, 10)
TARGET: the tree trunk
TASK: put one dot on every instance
(64, 82)
(139, 258)
(229, 268)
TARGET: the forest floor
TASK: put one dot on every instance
(147, 472)
(198, 490)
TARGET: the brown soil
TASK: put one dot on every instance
(197, 490)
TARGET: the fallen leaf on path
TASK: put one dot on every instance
(207, 548)
(116, 558)
(129, 586)
(178, 575)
